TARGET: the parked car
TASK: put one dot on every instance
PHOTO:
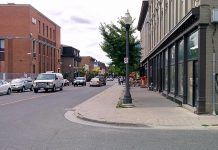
(66, 82)
(95, 82)
(110, 79)
(5, 87)
(21, 84)
(102, 79)
(79, 81)
(48, 80)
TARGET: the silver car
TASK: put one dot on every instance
(22, 84)
(5, 87)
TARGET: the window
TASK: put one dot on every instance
(54, 35)
(34, 46)
(172, 69)
(47, 31)
(39, 48)
(2, 50)
(39, 27)
(50, 33)
(47, 50)
(166, 70)
(43, 29)
(180, 67)
(193, 46)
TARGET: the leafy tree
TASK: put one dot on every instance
(82, 71)
(114, 44)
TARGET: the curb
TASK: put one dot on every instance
(79, 116)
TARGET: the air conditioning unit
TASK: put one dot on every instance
(214, 15)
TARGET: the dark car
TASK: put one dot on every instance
(102, 79)
(79, 81)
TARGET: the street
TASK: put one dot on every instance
(35, 121)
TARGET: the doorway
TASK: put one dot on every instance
(192, 85)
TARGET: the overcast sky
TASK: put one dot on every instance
(80, 19)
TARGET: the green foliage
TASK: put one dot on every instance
(114, 44)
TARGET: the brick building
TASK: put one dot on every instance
(88, 62)
(30, 42)
(70, 62)
(179, 44)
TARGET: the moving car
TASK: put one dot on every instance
(102, 79)
(79, 81)
(21, 84)
(95, 82)
(5, 87)
(48, 80)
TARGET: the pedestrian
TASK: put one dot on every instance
(119, 81)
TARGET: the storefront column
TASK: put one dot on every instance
(202, 68)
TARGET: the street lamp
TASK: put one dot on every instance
(127, 100)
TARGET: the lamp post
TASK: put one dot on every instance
(127, 100)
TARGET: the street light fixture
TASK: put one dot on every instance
(127, 100)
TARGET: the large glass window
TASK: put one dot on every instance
(166, 70)
(180, 67)
(193, 46)
(2, 50)
(172, 69)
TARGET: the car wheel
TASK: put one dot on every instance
(35, 91)
(9, 92)
(23, 89)
(46, 90)
(31, 89)
(61, 88)
(54, 88)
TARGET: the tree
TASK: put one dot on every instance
(114, 44)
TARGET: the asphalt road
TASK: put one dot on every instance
(35, 121)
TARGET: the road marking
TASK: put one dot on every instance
(31, 98)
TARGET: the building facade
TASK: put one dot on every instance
(179, 44)
(30, 42)
(70, 59)
(88, 62)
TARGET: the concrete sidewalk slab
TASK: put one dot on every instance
(151, 110)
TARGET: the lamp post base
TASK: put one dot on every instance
(127, 105)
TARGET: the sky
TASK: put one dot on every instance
(80, 20)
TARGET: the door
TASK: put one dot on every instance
(196, 86)
(192, 91)
(190, 84)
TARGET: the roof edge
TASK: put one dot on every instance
(143, 13)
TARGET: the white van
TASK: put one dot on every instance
(48, 81)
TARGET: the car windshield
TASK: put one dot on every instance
(80, 78)
(46, 77)
(16, 80)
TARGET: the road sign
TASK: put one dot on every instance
(126, 60)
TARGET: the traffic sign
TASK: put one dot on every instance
(126, 60)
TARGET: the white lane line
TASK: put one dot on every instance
(31, 98)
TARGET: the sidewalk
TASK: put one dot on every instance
(151, 110)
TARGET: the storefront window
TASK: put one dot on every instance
(180, 67)
(166, 70)
(172, 69)
(193, 46)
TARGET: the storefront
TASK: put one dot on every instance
(177, 64)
